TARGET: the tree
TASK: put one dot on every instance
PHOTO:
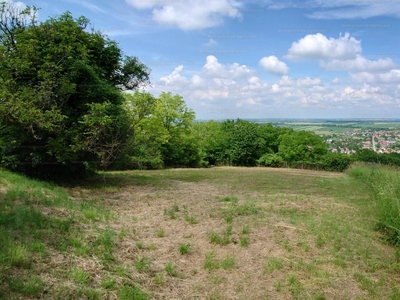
(181, 148)
(301, 146)
(61, 94)
(246, 144)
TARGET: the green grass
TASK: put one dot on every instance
(184, 248)
(384, 183)
(291, 234)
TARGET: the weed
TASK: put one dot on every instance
(170, 268)
(211, 263)
(228, 262)
(184, 248)
(244, 241)
(143, 264)
(79, 276)
(246, 230)
(160, 233)
(271, 264)
(129, 292)
(108, 283)
(159, 279)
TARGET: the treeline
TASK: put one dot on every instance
(164, 133)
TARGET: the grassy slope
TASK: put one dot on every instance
(220, 233)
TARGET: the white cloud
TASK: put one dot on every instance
(359, 64)
(211, 42)
(175, 78)
(233, 89)
(189, 14)
(273, 65)
(393, 76)
(318, 46)
(213, 68)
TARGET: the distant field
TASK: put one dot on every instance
(340, 127)
(217, 233)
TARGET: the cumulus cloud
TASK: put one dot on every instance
(318, 46)
(189, 14)
(213, 68)
(359, 64)
(393, 76)
(273, 65)
(233, 88)
(175, 78)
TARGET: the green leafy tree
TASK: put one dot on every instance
(181, 147)
(246, 144)
(301, 146)
(61, 94)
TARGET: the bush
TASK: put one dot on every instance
(336, 162)
(270, 160)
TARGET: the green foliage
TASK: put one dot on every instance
(301, 146)
(61, 103)
(270, 160)
(246, 144)
(336, 161)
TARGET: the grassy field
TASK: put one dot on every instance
(218, 233)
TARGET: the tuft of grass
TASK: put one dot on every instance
(244, 241)
(160, 233)
(129, 292)
(143, 264)
(221, 239)
(211, 263)
(184, 248)
(79, 276)
(271, 264)
(171, 211)
(228, 262)
(171, 270)
(108, 283)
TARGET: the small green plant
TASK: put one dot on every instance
(143, 264)
(228, 262)
(93, 294)
(211, 263)
(170, 268)
(108, 283)
(191, 219)
(159, 279)
(221, 239)
(184, 248)
(79, 276)
(244, 241)
(246, 230)
(171, 212)
(129, 292)
(160, 233)
(140, 245)
(272, 264)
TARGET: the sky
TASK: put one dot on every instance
(253, 59)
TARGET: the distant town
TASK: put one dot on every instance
(350, 136)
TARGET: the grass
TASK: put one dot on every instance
(184, 248)
(290, 234)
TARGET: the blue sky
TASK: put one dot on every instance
(259, 59)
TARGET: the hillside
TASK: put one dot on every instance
(217, 233)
